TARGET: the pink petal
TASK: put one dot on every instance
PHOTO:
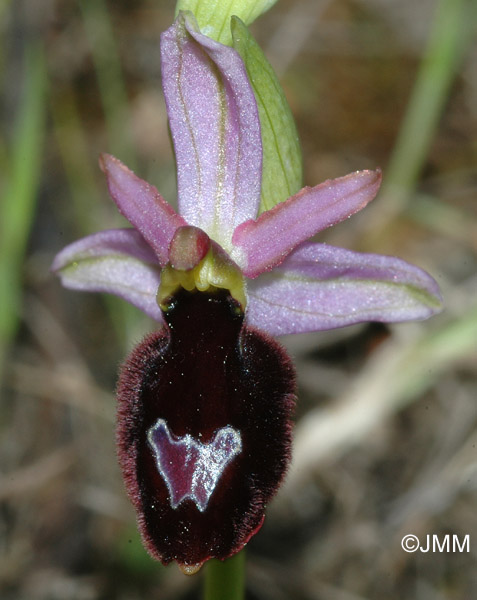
(215, 127)
(320, 287)
(265, 242)
(117, 261)
(142, 205)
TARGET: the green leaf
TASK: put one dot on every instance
(282, 170)
(213, 16)
(18, 204)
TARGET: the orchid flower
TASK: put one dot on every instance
(205, 402)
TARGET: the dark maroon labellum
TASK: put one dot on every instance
(204, 429)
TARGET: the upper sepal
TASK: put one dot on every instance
(215, 128)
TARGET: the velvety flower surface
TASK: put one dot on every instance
(216, 398)
(205, 403)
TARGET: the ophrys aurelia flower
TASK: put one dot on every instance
(205, 402)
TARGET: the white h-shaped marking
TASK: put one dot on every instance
(190, 468)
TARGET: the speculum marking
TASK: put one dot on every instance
(190, 468)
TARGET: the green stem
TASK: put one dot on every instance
(225, 580)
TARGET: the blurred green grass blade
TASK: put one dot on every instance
(85, 192)
(4, 4)
(77, 161)
(443, 218)
(4, 158)
(110, 78)
(437, 351)
(88, 193)
(450, 34)
(115, 104)
(18, 204)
